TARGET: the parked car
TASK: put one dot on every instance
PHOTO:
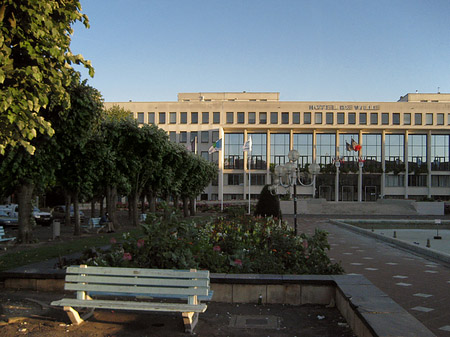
(6, 220)
(59, 213)
(41, 218)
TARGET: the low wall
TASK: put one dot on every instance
(367, 310)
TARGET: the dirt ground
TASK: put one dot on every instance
(28, 313)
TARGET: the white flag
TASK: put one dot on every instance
(248, 145)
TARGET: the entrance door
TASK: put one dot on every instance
(325, 192)
(370, 193)
(348, 193)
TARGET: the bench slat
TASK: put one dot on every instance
(144, 281)
(111, 271)
(136, 289)
(125, 305)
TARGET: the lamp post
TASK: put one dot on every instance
(290, 173)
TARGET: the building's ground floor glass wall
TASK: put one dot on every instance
(392, 164)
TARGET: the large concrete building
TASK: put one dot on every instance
(404, 145)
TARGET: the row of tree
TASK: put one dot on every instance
(95, 154)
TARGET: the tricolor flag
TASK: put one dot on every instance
(248, 145)
(217, 146)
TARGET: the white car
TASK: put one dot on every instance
(41, 218)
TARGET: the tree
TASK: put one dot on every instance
(78, 169)
(36, 62)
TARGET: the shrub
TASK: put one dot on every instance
(268, 204)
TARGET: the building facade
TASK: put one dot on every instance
(404, 145)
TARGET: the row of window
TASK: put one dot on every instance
(328, 118)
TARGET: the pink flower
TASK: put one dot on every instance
(127, 256)
(238, 262)
(113, 241)
(140, 243)
(217, 248)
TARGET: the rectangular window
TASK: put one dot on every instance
(417, 119)
(216, 117)
(194, 117)
(258, 179)
(385, 118)
(285, 118)
(230, 117)
(251, 117)
(183, 137)
(429, 119)
(194, 134)
(440, 119)
(329, 118)
(151, 118)
(205, 155)
(448, 119)
(235, 179)
(173, 118)
(233, 155)
(162, 118)
(274, 118)
(215, 136)
(307, 118)
(240, 118)
(363, 118)
(396, 119)
(351, 118)
(140, 118)
(205, 136)
(263, 118)
(296, 118)
(318, 118)
(173, 136)
(205, 117)
(407, 118)
(340, 118)
(373, 118)
(183, 117)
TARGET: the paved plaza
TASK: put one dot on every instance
(420, 285)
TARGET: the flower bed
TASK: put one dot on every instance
(233, 244)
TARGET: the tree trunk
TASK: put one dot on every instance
(111, 197)
(68, 202)
(192, 206)
(167, 211)
(76, 212)
(186, 207)
(133, 202)
(102, 209)
(176, 200)
(151, 201)
(93, 208)
(24, 195)
(143, 204)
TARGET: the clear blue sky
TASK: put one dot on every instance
(317, 50)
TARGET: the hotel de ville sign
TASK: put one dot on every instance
(344, 107)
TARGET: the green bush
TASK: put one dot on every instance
(235, 244)
(268, 204)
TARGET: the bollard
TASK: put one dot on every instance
(56, 229)
(372, 229)
(395, 234)
(428, 243)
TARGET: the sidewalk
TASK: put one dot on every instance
(419, 285)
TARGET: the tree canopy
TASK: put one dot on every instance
(35, 62)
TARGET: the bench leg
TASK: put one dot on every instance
(75, 316)
(190, 320)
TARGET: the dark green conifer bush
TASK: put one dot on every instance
(268, 204)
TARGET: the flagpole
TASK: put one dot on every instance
(221, 156)
(249, 178)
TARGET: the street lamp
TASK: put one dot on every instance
(288, 175)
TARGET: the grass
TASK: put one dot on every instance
(23, 257)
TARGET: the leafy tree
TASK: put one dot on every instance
(117, 112)
(35, 62)
(78, 169)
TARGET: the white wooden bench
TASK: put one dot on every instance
(2, 235)
(180, 288)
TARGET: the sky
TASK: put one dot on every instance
(307, 50)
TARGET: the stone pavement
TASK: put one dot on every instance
(420, 285)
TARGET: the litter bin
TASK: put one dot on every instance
(56, 229)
